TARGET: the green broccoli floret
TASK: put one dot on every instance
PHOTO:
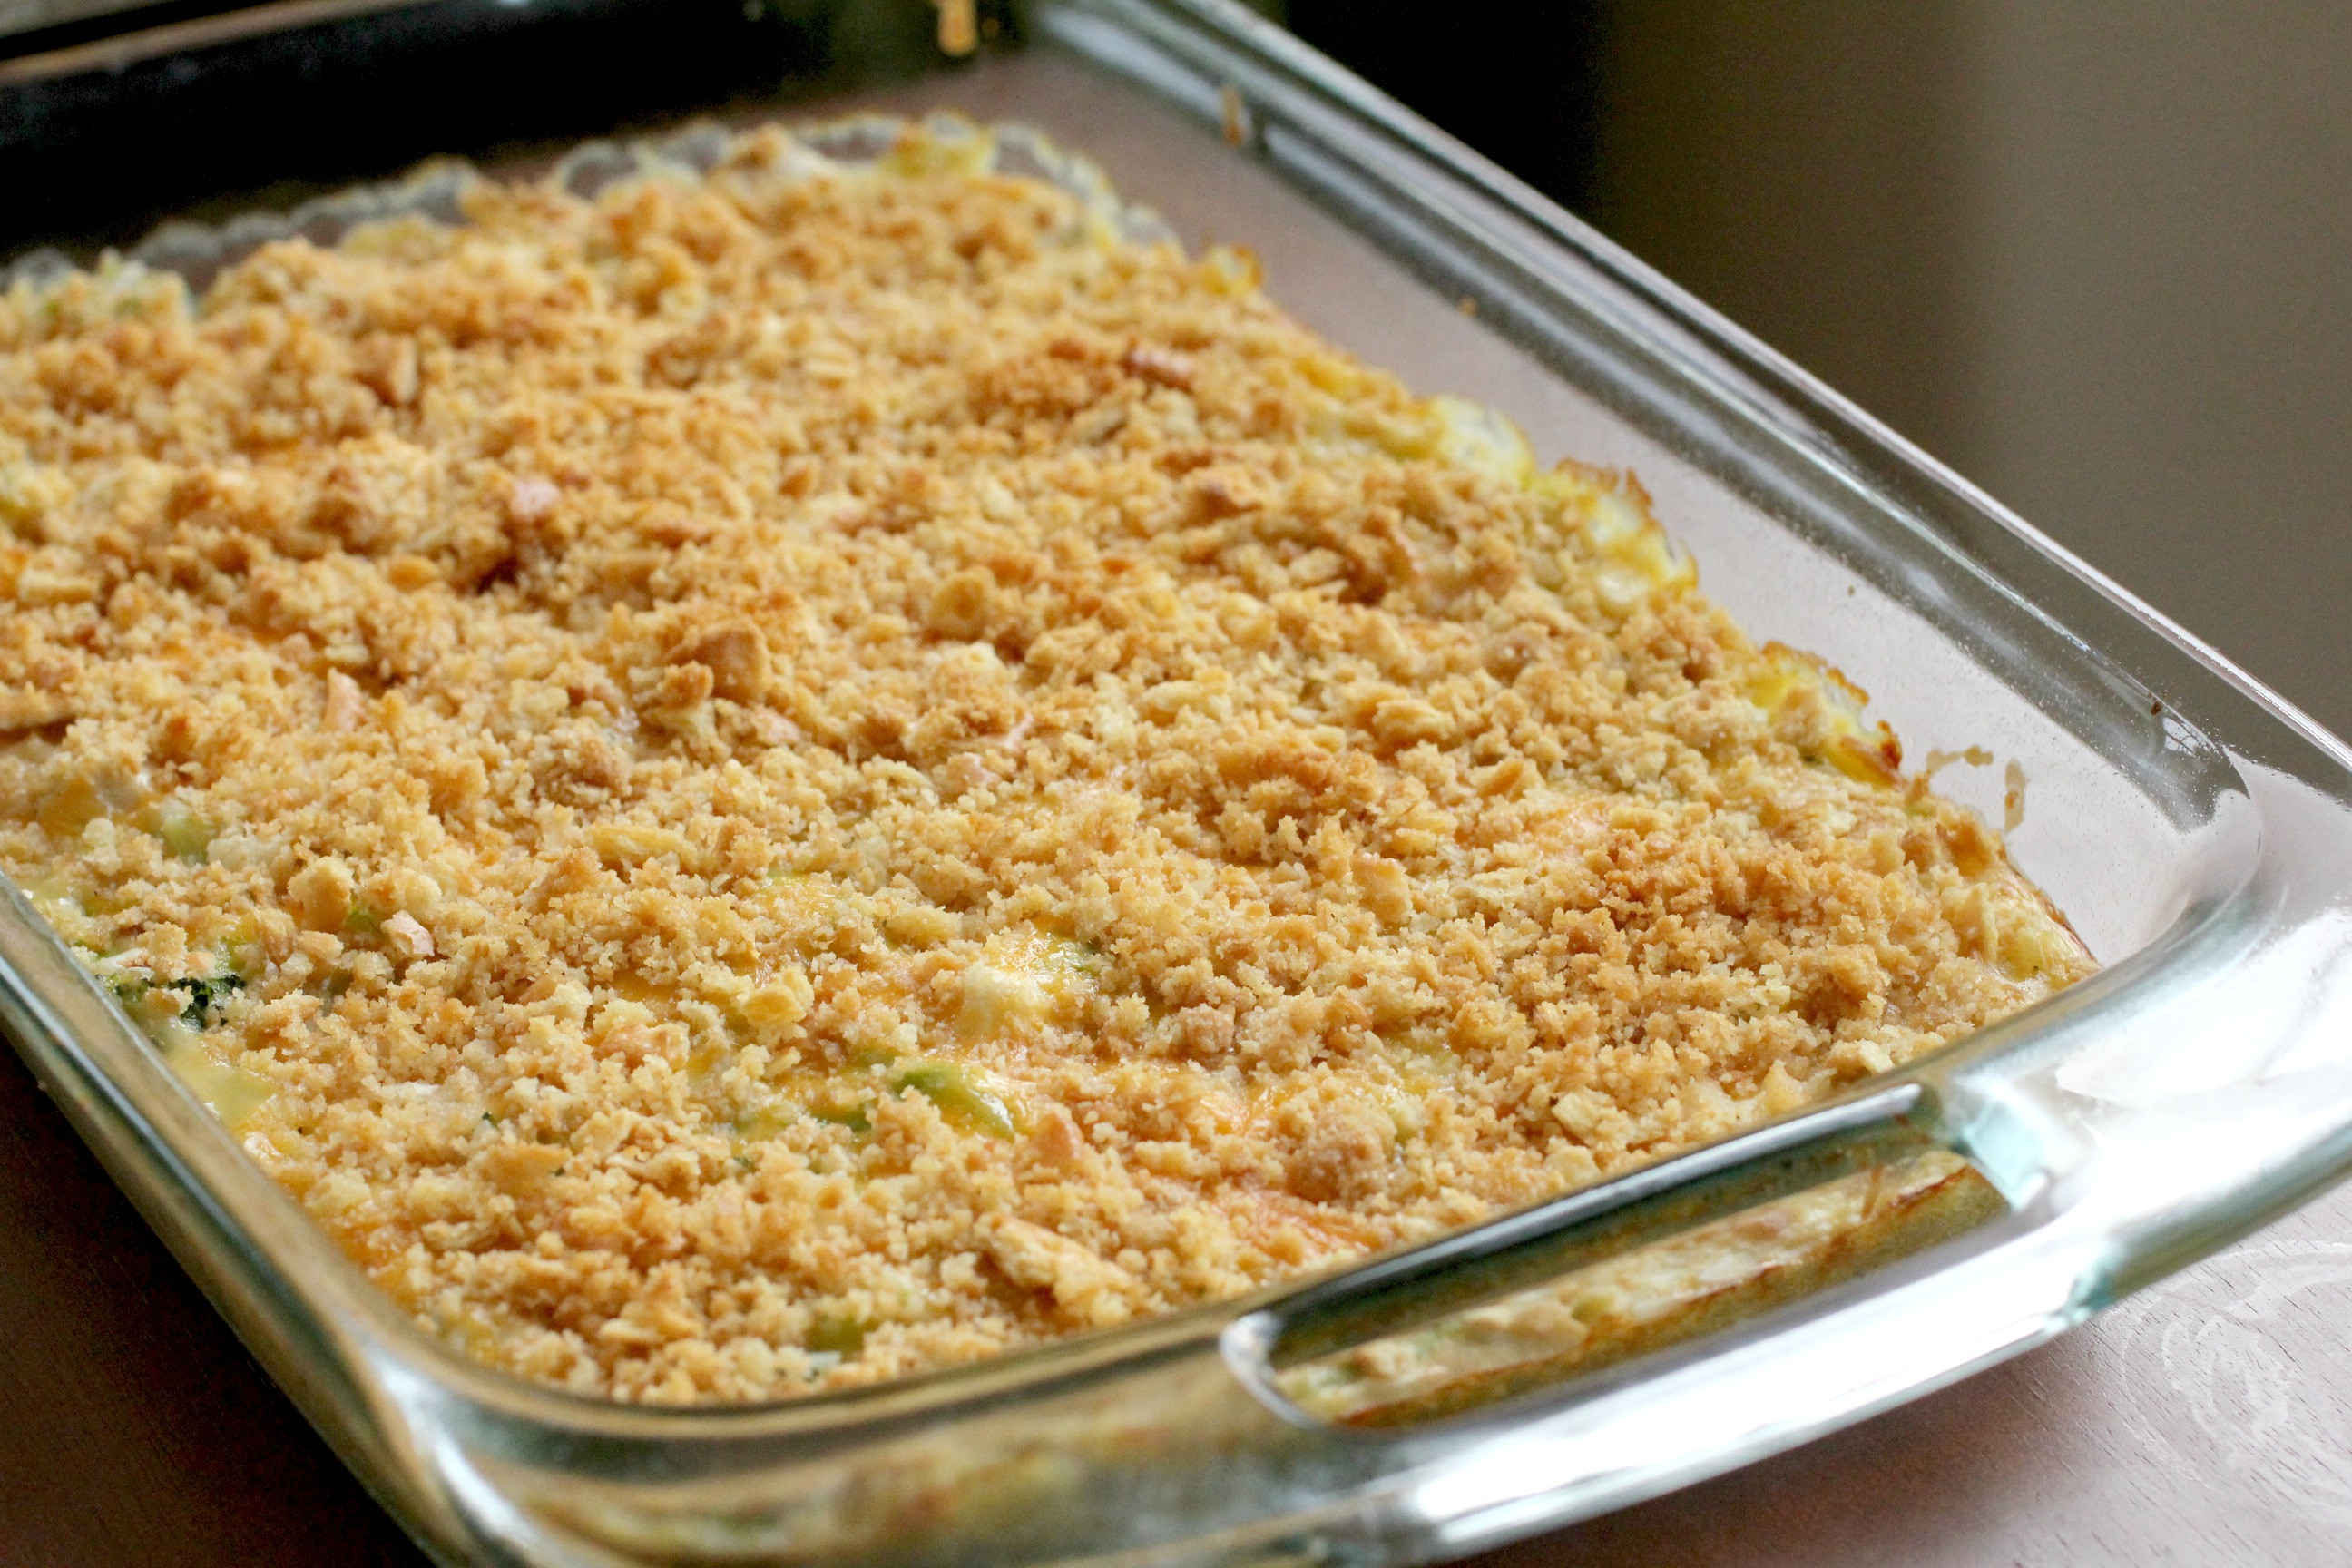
(207, 995)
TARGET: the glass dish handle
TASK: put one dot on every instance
(1543, 1244)
(1185, 1430)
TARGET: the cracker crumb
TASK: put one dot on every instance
(405, 938)
(774, 782)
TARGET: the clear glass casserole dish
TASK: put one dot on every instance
(2194, 827)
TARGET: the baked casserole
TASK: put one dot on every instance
(787, 776)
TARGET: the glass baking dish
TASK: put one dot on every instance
(2197, 831)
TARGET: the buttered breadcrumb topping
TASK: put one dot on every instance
(763, 783)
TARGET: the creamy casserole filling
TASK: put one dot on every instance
(776, 779)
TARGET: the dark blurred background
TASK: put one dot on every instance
(2096, 253)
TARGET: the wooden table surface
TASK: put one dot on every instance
(2207, 1422)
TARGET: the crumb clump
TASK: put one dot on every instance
(758, 784)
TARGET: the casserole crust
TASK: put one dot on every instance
(776, 779)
